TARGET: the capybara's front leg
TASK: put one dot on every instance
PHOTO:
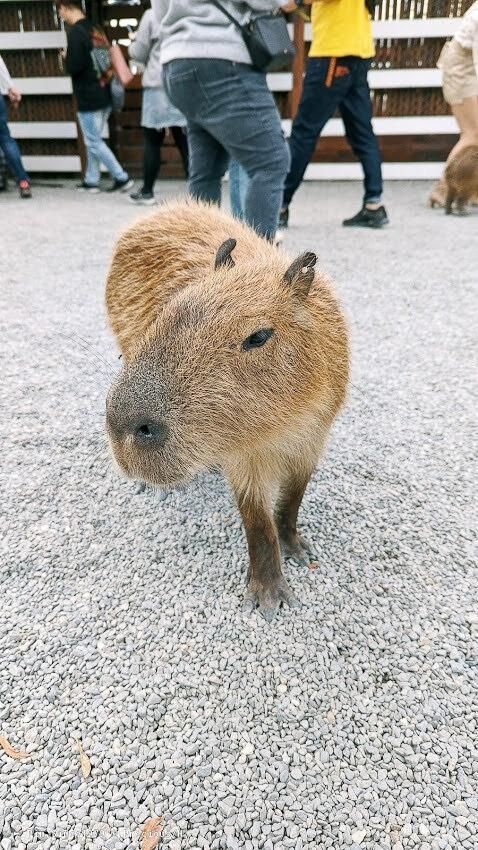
(267, 588)
(461, 206)
(293, 545)
(449, 202)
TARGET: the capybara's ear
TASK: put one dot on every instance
(223, 256)
(300, 274)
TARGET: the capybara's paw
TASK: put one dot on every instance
(268, 597)
(299, 550)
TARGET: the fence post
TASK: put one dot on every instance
(299, 65)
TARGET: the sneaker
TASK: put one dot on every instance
(24, 189)
(368, 218)
(87, 187)
(284, 218)
(279, 237)
(146, 199)
(121, 185)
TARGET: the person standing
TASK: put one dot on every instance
(92, 91)
(459, 64)
(7, 143)
(230, 111)
(157, 111)
(336, 78)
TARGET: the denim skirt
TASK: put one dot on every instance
(157, 111)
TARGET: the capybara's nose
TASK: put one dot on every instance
(148, 432)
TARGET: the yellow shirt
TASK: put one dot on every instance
(341, 28)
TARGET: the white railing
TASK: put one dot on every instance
(280, 82)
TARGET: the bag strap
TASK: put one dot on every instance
(233, 20)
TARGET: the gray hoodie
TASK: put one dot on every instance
(146, 49)
(197, 29)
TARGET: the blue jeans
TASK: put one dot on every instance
(238, 183)
(97, 151)
(231, 114)
(331, 84)
(10, 147)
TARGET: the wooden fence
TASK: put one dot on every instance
(411, 118)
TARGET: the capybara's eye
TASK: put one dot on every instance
(257, 339)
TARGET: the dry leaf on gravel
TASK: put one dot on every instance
(85, 763)
(151, 834)
(14, 754)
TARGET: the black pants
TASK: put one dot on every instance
(332, 84)
(153, 139)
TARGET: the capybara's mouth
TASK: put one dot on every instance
(150, 466)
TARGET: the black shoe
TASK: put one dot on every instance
(368, 218)
(87, 187)
(284, 218)
(121, 185)
(145, 199)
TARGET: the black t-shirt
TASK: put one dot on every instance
(90, 95)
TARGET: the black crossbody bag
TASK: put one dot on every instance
(266, 38)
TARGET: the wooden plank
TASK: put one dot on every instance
(401, 78)
(32, 40)
(52, 163)
(43, 85)
(315, 171)
(393, 149)
(393, 126)
(298, 67)
(43, 129)
(405, 28)
(391, 171)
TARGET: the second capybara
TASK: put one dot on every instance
(234, 356)
(461, 177)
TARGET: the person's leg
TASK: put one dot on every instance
(466, 114)
(153, 140)
(181, 142)
(10, 148)
(208, 161)
(236, 181)
(242, 116)
(322, 91)
(92, 124)
(87, 124)
(356, 111)
(207, 157)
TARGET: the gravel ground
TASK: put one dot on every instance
(351, 723)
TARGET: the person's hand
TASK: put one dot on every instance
(14, 95)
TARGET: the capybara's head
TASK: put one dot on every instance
(230, 364)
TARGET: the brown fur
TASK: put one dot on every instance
(262, 415)
(461, 177)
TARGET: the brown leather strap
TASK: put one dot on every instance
(330, 72)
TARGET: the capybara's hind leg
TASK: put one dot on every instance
(267, 588)
(449, 202)
(461, 206)
(293, 545)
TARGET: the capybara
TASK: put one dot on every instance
(234, 356)
(461, 176)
